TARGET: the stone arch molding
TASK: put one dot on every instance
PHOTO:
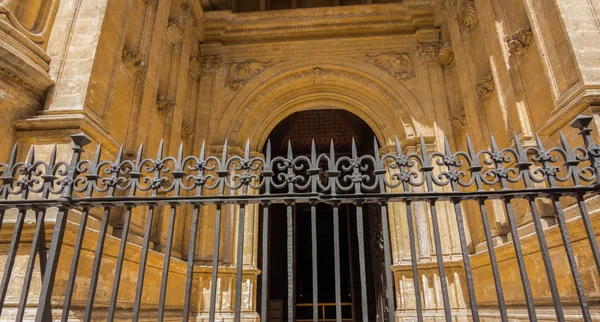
(348, 84)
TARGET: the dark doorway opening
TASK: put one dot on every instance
(300, 129)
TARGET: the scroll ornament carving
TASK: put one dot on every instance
(398, 65)
(194, 69)
(459, 121)
(132, 60)
(446, 55)
(187, 132)
(174, 33)
(485, 88)
(164, 105)
(240, 73)
(467, 14)
(211, 64)
(519, 40)
(427, 52)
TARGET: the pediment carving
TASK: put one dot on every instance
(398, 65)
(240, 73)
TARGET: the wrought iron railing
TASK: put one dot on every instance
(86, 185)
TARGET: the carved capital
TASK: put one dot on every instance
(242, 72)
(398, 65)
(187, 132)
(174, 34)
(132, 61)
(485, 88)
(164, 105)
(211, 64)
(519, 41)
(467, 14)
(446, 55)
(427, 52)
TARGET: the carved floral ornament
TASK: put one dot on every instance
(427, 52)
(519, 41)
(398, 65)
(242, 72)
(467, 14)
(485, 88)
(164, 105)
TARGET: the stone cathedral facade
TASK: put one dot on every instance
(127, 72)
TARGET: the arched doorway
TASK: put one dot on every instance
(300, 128)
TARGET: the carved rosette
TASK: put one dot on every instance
(467, 14)
(194, 69)
(187, 132)
(446, 55)
(211, 64)
(427, 52)
(174, 33)
(164, 105)
(485, 88)
(398, 65)
(519, 41)
(242, 72)
(132, 61)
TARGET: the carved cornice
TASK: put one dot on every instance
(164, 105)
(485, 88)
(132, 61)
(174, 34)
(467, 14)
(446, 55)
(398, 65)
(519, 41)
(240, 73)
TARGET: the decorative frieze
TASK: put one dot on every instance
(398, 65)
(240, 73)
(174, 34)
(485, 88)
(467, 14)
(427, 52)
(519, 40)
(164, 105)
(132, 61)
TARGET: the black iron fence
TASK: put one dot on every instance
(507, 174)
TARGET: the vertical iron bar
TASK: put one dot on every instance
(239, 264)
(119, 266)
(413, 259)
(264, 303)
(11, 256)
(387, 252)
(587, 223)
(493, 260)
(440, 260)
(315, 277)
(89, 306)
(166, 262)
(336, 259)
(360, 233)
(142, 268)
(215, 264)
(190, 265)
(290, 264)
(74, 264)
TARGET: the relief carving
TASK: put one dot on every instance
(241, 73)
(427, 52)
(194, 69)
(174, 34)
(446, 55)
(459, 121)
(164, 105)
(132, 61)
(485, 88)
(210, 64)
(398, 65)
(519, 40)
(187, 132)
(467, 14)
(447, 5)
(317, 75)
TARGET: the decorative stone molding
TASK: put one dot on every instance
(447, 5)
(164, 105)
(459, 121)
(467, 14)
(187, 132)
(485, 88)
(446, 55)
(194, 69)
(132, 61)
(427, 52)
(211, 64)
(240, 73)
(398, 65)
(519, 40)
(174, 34)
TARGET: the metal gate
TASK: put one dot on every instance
(172, 182)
